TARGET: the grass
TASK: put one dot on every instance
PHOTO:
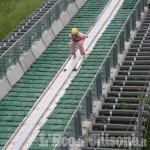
(12, 12)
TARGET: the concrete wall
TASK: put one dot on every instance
(14, 74)
(4, 87)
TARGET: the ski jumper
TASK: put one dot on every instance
(79, 41)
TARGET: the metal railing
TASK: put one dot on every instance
(94, 91)
(12, 55)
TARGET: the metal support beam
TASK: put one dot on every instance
(90, 100)
(115, 56)
(88, 107)
(99, 85)
(127, 30)
(142, 5)
(122, 42)
(107, 69)
(133, 20)
(79, 123)
(76, 127)
(139, 11)
(140, 122)
(145, 3)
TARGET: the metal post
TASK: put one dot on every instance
(115, 57)
(142, 5)
(127, 30)
(133, 20)
(79, 123)
(122, 42)
(87, 107)
(100, 83)
(108, 59)
(90, 100)
(126, 25)
(107, 69)
(76, 127)
(98, 87)
(140, 122)
(145, 3)
(139, 11)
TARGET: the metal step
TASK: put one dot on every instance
(131, 83)
(137, 62)
(121, 112)
(128, 88)
(138, 54)
(125, 94)
(134, 72)
(137, 58)
(142, 49)
(137, 67)
(114, 133)
(117, 119)
(141, 41)
(114, 127)
(121, 100)
(141, 38)
(134, 77)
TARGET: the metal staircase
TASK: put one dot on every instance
(119, 116)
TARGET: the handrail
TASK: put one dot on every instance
(95, 76)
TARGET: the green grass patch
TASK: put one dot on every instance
(12, 12)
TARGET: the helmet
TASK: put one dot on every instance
(74, 33)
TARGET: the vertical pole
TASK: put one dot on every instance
(79, 123)
(122, 42)
(107, 69)
(98, 87)
(76, 127)
(142, 5)
(115, 57)
(133, 20)
(90, 100)
(140, 122)
(139, 11)
(145, 3)
(87, 107)
(127, 30)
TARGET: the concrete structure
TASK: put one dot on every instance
(38, 48)
(65, 18)
(72, 9)
(26, 60)
(48, 37)
(57, 26)
(14, 74)
(4, 87)
(79, 3)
